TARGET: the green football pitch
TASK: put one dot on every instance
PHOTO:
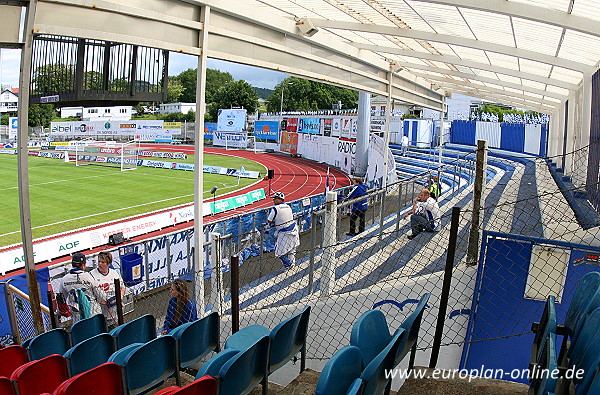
(64, 197)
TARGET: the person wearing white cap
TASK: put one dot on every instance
(286, 230)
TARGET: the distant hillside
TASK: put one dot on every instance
(263, 93)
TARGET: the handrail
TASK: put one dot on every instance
(22, 294)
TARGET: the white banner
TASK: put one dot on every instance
(230, 139)
(231, 120)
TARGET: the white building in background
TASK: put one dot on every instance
(114, 113)
(170, 108)
(9, 100)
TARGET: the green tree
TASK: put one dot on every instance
(214, 80)
(4, 119)
(175, 90)
(52, 78)
(234, 94)
(305, 95)
(93, 81)
(41, 114)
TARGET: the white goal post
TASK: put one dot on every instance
(107, 153)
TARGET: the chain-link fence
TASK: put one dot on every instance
(530, 242)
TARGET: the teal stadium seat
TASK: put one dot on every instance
(140, 330)
(341, 372)
(55, 341)
(196, 339)
(90, 353)
(89, 327)
(287, 339)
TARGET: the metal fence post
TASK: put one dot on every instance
(147, 265)
(480, 170)
(439, 328)
(329, 243)
(216, 286)
(168, 245)
(235, 294)
(313, 248)
(12, 314)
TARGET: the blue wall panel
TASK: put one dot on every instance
(498, 335)
(463, 132)
(512, 137)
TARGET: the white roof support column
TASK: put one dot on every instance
(388, 115)
(587, 111)
(199, 164)
(570, 133)
(362, 133)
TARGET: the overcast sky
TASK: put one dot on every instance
(260, 78)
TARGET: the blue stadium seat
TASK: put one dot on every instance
(140, 330)
(89, 353)
(40, 376)
(412, 325)
(546, 326)
(242, 373)
(104, 379)
(586, 348)
(214, 364)
(585, 300)
(373, 376)
(87, 328)
(370, 334)
(55, 341)
(547, 364)
(341, 372)
(591, 380)
(148, 365)
(356, 387)
(196, 339)
(287, 339)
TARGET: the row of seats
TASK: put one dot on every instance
(146, 360)
(360, 367)
(253, 353)
(580, 348)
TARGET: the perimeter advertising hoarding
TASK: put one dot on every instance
(266, 130)
(231, 120)
(13, 128)
(291, 125)
(209, 130)
(336, 127)
(309, 125)
(230, 139)
(289, 142)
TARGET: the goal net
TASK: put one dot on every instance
(108, 153)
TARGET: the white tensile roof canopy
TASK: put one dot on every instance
(530, 53)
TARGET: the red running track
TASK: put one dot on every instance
(296, 177)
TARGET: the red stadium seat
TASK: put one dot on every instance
(40, 376)
(205, 385)
(6, 386)
(11, 358)
(101, 380)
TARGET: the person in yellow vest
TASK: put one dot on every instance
(434, 187)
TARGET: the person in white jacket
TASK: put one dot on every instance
(106, 277)
(77, 278)
(286, 230)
